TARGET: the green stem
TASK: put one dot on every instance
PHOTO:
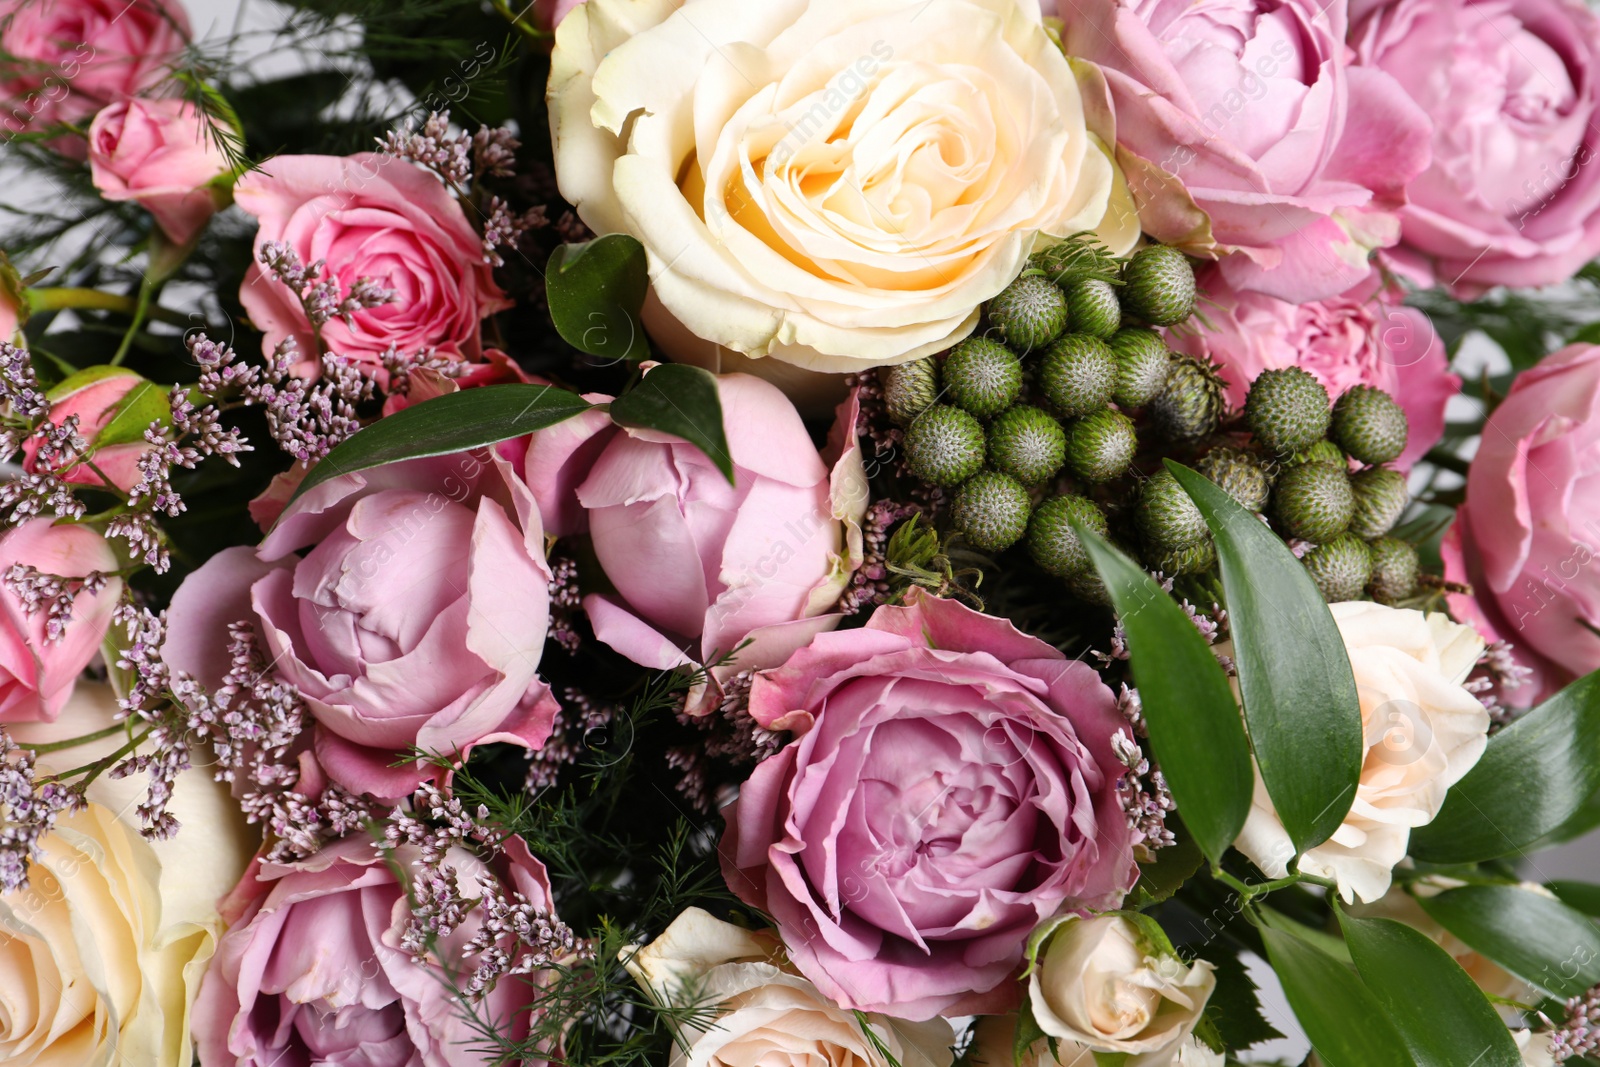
(57, 298)
(101, 765)
(56, 746)
(141, 309)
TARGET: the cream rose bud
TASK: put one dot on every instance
(1101, 983)
(1422, 732)
(764, 1014)
(102, 954)
(831, 183)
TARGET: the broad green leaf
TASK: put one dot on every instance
(1585, 896)
(1535, 775)
(1340, 1016)
(1442, 1015)
(1026, 1034)
(454, 422)
(1294, 677)
(1540, 940)
(680, 400)
(1195, 730)
(144, 403)
(595, 290)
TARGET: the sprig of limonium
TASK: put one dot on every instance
(54, 594)
(29, 808)
(322, 298)
(1579, 1034)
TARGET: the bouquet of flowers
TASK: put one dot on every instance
(745, 533)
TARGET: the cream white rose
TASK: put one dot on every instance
(1422, 730)
(1535, 1048)
(837, 184)
(766, 1015)
(992, 1047)
(101, 956)
(1099, 982)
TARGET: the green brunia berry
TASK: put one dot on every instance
(1200, 556)
(1380, 498)
(1287, 410)
(1100, 446)
(1029, 313)
(1166, 517)
(1394, 570)
(1314, 501)
(910, 389)
(1142, 363)
(1341, 568)
(1077, 375)
(991, 509)
(1027, 444)
(982, 377)
(1093, 308)
(1052, 542)
(1190, 406)
(944, 445)
(1240, 474)
(1158, 286)
(1086, 585)
(1323, 451)
(1368, 424)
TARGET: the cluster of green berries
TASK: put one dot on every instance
(1069, 352)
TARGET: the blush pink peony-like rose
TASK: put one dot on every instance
(161, 154)
(67, 59)
(1513, 86)
(1527, 539)
(95, 396)
(700, 566)
(38, 670)
(373, 216)
(953, 785)
(1244, 133)
(408, 604)
(312, 969)
(1363, 336)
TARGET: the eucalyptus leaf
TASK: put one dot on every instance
(1535, 775)
(1540, 940)
(1195, 729)
(680, 400)
(1339, 1014)
(454, 422)
(1294, 677)
(595, 290)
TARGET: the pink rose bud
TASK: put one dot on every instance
(161, 154)
(68, 59)
(39, 663)
(96, 396)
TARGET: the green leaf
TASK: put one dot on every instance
(681, 400)
(1234, 1010)
(1535, 775)
(1196, 733)
(1340, 1016)
(1442, 1015)
(1585, 896)
(1542, 941)
(454, 422)
(1026, 1033)
(1173, 866)
(144, 403)
(1294, 676)
(595, 290)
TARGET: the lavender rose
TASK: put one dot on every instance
(953, 785)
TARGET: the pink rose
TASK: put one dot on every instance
(38, 671)
(1363, 336)
(415, 616)
(953, 784)
(94, 396)
(1244, 133)
(378, 217)
(1527, 536)
(313, 970)
(700, 566)
(547, 14)
(161, 154)
(1511, 197)
(70, 58)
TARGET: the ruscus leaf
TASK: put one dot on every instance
(1540, 940)
(680, 400)
(1339, 1015)
(595, 290)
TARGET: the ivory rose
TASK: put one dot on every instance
(1099, 983)
(408, 604)
(995, 1037)
(833, 184)
(160, 154)
(38, 671)
(1513, 86)
(373, 216)
(1363, 336)
(953, 785)
(1245, 133)
(101, 956)
(763, 1013)
(1422, 731)
(1526, 537)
